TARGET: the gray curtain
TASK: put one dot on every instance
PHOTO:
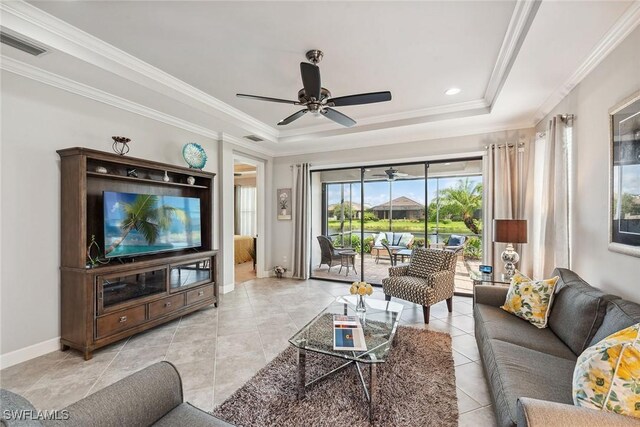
(550, 238)
(504, 192)
(301, 229)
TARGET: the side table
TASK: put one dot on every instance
(348, 259)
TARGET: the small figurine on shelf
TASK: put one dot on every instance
(132, 173)
(191, 180)
(194, 155)
(120, 144)
(165, 178)
(101, 169)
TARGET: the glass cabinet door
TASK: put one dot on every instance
(114, 290)
(190, 274)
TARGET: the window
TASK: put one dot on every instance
(246, 211)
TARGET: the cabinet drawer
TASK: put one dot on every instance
(165, 306)
(120, 321)
(196, 295)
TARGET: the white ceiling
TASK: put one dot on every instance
(417, 50)
(414, 49)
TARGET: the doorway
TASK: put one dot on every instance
(415, 204)
(245, 221)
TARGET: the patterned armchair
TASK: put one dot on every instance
(426, 280)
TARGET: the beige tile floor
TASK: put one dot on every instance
(218, 350)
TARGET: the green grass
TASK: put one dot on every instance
(403, 225)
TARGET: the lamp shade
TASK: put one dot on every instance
(510, 230)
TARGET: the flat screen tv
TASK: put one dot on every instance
(136, 224)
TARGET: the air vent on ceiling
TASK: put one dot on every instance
(254, 138)
(21, 44)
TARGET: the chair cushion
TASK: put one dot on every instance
(454, 240)
(425, 262)
(620, 314)
(409, 288)
(576, 300)
(606, 375)
(188, 415)
(405, 239)
(493, 323)
(379, 238)
(514, 371)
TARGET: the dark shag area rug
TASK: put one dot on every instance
(416, 387)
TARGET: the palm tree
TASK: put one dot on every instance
(462, 200)
(145, 216)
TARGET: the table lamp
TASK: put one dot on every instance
(510, 231)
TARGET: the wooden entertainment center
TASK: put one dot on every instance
(104, 303)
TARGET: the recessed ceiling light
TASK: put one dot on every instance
(453, 91)
(447, 164)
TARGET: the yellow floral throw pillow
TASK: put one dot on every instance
(530, 300)
(607, 375)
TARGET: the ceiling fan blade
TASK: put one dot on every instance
(338, 117)
(310, 80)
(362, 98)
(294, 116)
(401, 174)
(266, 98)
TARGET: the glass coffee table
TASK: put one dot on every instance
(379, 324)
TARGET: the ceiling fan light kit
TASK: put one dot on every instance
(317, 99)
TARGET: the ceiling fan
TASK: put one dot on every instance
(317, 99)
(391, 174)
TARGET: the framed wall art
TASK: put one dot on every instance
(284, 203)
(624, 203)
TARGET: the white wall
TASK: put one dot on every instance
(36, 121)
(613, 80)
(383, 155)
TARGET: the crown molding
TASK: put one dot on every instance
(628, 22)
(421, 115)
(46, 77)
(32, 22)
(374, 126)
(519, 25)
(29, 71)
(517, 30)
(451, 132)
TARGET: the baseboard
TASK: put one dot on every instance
(28, 353)
(224, 289)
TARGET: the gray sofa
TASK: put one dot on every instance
(150, 397)
(530, 370)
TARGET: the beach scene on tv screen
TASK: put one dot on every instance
(144, 223)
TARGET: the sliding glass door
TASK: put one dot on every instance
(409, 205)
(394, 201)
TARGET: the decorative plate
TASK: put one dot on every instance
(194, 155)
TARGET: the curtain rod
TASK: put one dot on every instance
(510, 145)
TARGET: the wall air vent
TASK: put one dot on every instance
(254, 138)
(21, 43)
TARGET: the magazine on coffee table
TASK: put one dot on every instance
(348, 333)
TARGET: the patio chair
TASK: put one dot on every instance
(426, 280)
(390, 253)
(328, 253)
